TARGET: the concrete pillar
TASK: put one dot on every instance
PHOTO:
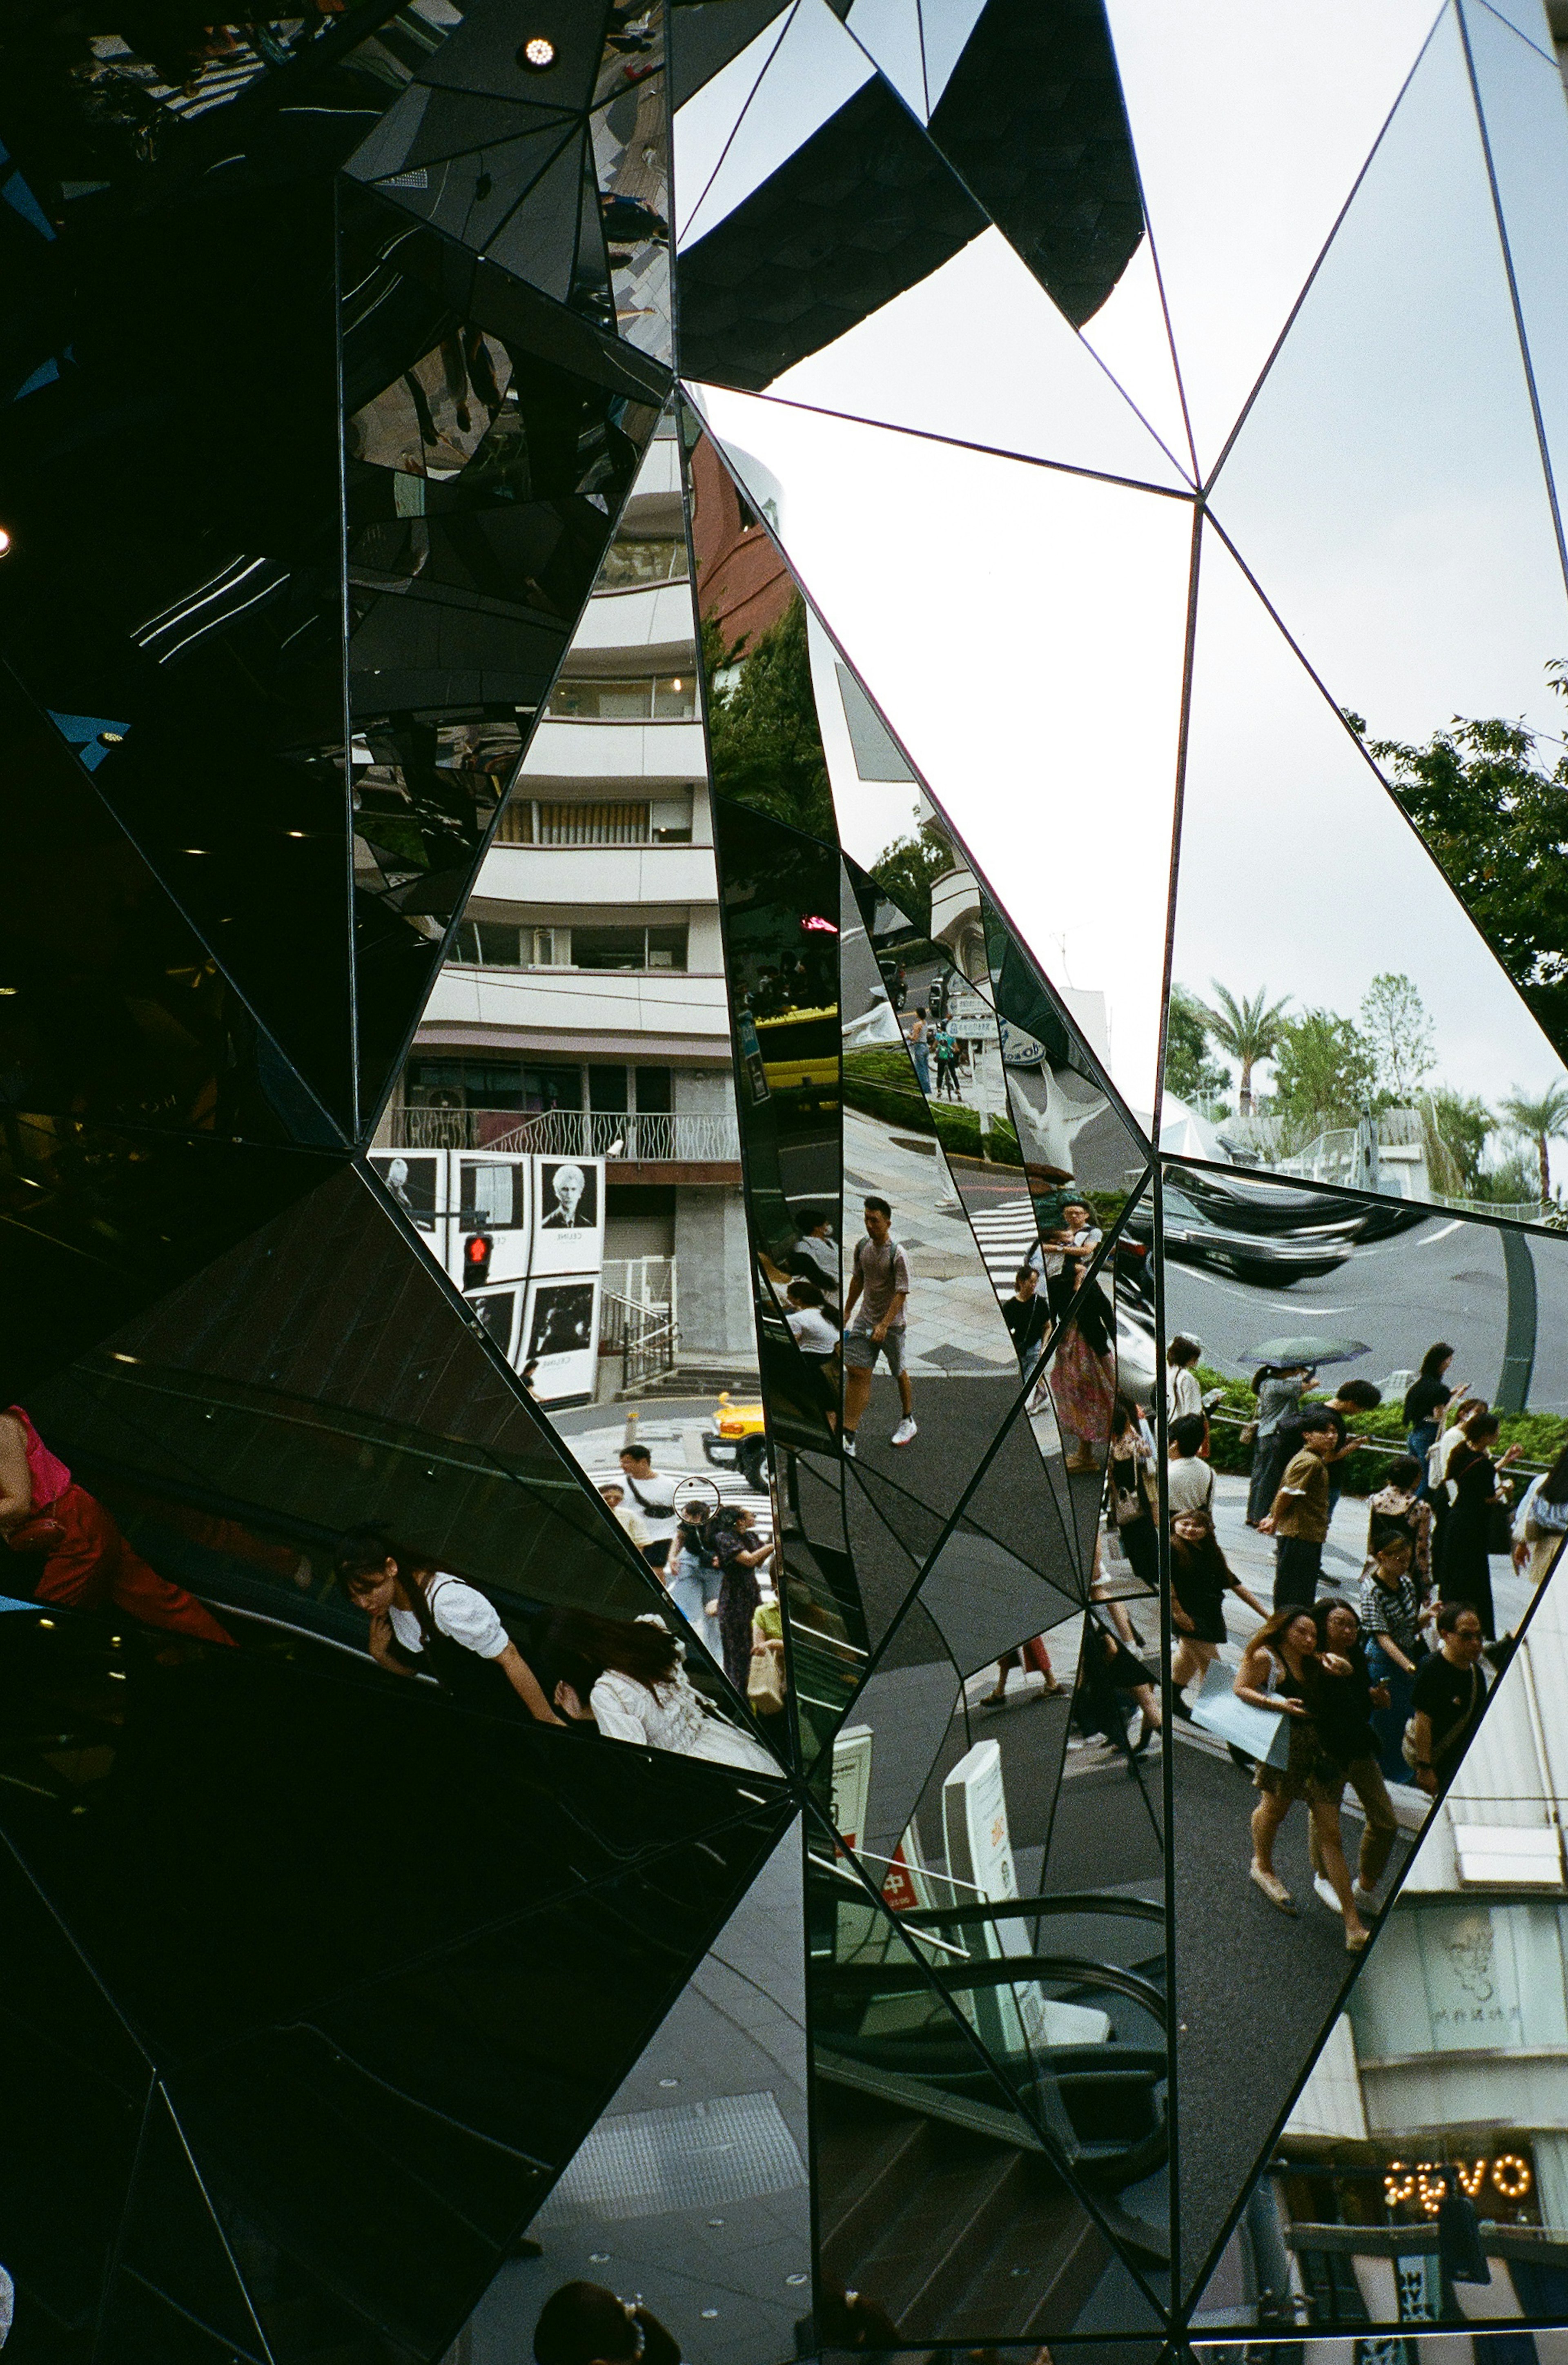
(712, 1269)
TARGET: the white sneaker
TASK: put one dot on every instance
(905, 1430)
(1324, 1889)
(849, 1443)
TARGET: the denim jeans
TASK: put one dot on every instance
(1388, 1724)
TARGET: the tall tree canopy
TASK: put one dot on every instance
(762, 724)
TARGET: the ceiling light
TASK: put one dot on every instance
(537, 55)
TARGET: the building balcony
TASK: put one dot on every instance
(651, 1013)
(591, 750)
(638, 1146)
(541, 876)
(650, 623)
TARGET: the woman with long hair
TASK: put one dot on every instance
(1542, 1521)
(425, 1621)
(1475, 1486)
(1431, 1399)
(1131, 1494)
(1084, 1365)
(1342, 1709)
(740, 1553)
(1279, 1673)
(627, 1676)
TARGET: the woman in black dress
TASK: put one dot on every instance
(1474, 1491)
(1200, 1578)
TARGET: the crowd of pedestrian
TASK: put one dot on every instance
(1385, 1686)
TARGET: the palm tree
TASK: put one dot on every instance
(1247, 1031)
(1541, 1121)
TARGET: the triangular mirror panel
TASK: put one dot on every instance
(833, 482)
(904, 2035)
(1394, 1044)
(704, 35)
(1525, 124)
(819, 137)
(1417, 494)
(485, 474)
(325, 1329)
(693, 2183)
(1251, 130)
(285, 2123)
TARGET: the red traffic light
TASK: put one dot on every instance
(477, 1251)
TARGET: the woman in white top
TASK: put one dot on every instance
(425, 1621)
(1182, 1392)
(628, 1676)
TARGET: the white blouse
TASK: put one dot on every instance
(671, 1716)
(458, 1612)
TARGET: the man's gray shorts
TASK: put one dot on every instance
(861, 1350)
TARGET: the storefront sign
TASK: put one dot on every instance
(1505, 2175)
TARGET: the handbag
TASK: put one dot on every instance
(1499, 1528)
(765, 1680)
(1257, 1730)
(1248, 1432)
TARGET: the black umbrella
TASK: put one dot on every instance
(1298, 1354)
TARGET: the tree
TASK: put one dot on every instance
(1324, 1070)
(1457, 1129)
(1539, 1122)
(1394, 1022)
(762, 728)
(1496, 820)
(910, 867)
(1190, 1072)
(1245, 1031)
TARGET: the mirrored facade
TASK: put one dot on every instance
(782, 1268)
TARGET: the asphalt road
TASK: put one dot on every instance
(1443, 1279)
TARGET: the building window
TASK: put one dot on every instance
(648, 558)
(491, 1085)
(632, 947)
(538, 821)
(666, 698)
(495, 944)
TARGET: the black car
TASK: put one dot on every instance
(1251, 1202)
(1273, 1260)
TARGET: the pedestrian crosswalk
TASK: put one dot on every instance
(1006, 1234)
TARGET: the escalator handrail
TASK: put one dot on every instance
(1009, 1909)
(992, 1971)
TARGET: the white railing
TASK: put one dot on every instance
(647, 1282)
(1332, 1158)
(667, 1138)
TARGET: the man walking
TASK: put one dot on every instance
(654, 1497)
(1299, 1519)
(874, 1322)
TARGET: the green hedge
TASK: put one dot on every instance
(877, 1082)
(1542, 1435)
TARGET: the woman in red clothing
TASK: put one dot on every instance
(86, 1561)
